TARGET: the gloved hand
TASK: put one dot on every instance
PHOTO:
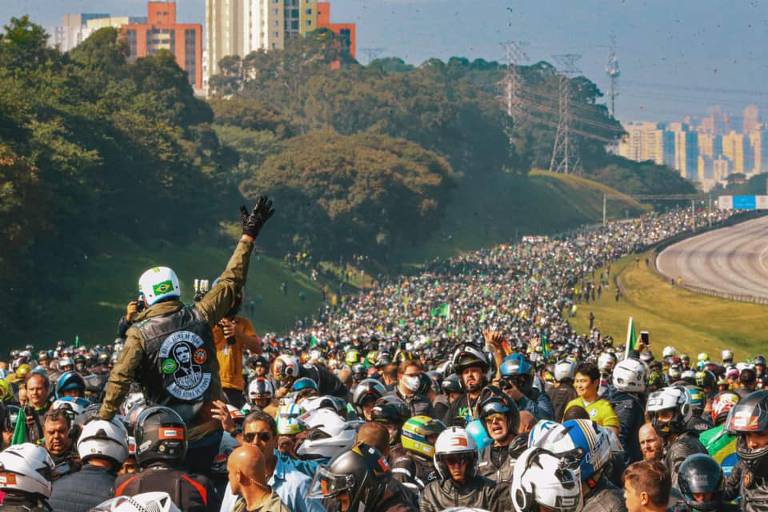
(254, 221)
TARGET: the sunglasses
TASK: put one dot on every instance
(453, 460)
(248, 437)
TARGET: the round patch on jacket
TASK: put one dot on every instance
(181, 366)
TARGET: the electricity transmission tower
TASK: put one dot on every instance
(371, 54)
(564, 155)
(512, 84)
(613, 71)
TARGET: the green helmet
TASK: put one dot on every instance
(353, 357)
(416, 433)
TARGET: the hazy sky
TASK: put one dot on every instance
(677, 56)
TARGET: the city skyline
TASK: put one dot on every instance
(676, 58)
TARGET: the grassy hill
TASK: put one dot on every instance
(506, 207)
(690, 322)
(482, 213)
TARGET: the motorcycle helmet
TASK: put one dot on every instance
(107, 439)
(705, 379)
(541, 478)
(722, 405)
(468, 356)
(362, 472)
(674, 400)
(668, 352)
(605, 362)
(701, 473)
(161, 435)
(583, 441)
(75, 407)
(144, 502)
(750, 415)
(26, 468)
(158, 284)
(727, 356)
(629, 376)
(419, 435)
(70, 384)
(455, 441)
(368, 390)
(327, 434)
(565, 370)
(499, 403)
(260, 389)
(451, 384)
(390, 409)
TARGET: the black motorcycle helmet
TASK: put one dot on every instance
(390, 410)
(750, 415)
(701, 473)
(362, 473)
(494, 401)
(161, 435)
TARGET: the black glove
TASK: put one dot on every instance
(254, 221)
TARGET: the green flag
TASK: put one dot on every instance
(20, 432)
(631, 338)
(544, 344)
(443, 310)
(77, 341)
(312, 341)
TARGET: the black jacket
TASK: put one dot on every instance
(191, 493)
(419, 405)
(479, 492)
(81, 491)
(752, 489)
(605, 497)
(497, 463)
(413, 471)
(631, 412)
(327, 382)
(560, 396)
(684, 445)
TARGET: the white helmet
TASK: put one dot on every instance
(132, 401)
(102, 438)
(328, 434)
(565, 370)
(454, 440)
(606, 362)
(629, 375)
(727, 355)
(145, 502)
(260, 388)
(673, 398)
(27, 468)
(669, 351)
(287, 366)
(542, 478)
(75, 406)
(159, 283)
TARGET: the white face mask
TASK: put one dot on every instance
(411, 382)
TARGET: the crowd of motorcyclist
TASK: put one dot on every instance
(463, 387)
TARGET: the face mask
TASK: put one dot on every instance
(411, 382)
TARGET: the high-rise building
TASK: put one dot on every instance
(162, 32)
(73, 30)
(721, 168)
(710, 145)
(226, 30)
(737, 149)
(347, 32)
(751, 119)
(644, 141)
(758, 142)
(716, 122)
(686, 151)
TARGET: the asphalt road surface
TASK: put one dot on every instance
(732, 260)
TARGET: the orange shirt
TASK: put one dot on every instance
(231, 356)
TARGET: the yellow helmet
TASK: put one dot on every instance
(6, 391)
(22, 371)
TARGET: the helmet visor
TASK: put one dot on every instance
(326, 484)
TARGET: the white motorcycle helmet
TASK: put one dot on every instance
(27, 468)
(328, 434)
(286, 367)
(629, 375)
(606, 362)
(565, 370)
(669, 351)
(101, 438)
(727, 356)
(451, 441)
(542, 478)
(145, 502)
(159, 283)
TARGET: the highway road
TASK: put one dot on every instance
(732, 260)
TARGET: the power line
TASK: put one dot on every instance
(564, 156)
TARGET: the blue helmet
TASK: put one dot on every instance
(583, 440)
(515, 364)
(304, 384)
(70, 381)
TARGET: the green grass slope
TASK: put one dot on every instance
(504, 207)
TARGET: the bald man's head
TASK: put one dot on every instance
(527, 421)
(651, 443)
(246, 468)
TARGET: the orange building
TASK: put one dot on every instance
(161, 32)
(345, 31)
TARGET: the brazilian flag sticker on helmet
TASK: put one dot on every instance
(163, 287)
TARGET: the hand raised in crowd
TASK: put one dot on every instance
(230, 327)
(255, 220)
(220, 413)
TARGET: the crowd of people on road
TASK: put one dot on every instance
(463, 386)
